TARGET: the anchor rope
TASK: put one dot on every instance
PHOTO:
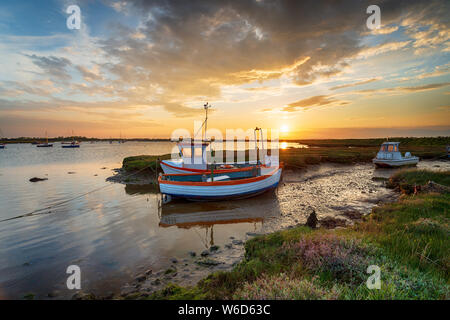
(39, 211)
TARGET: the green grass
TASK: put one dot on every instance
(136, 163)
(420, 177)
(408, 240)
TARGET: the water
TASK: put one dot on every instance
(118, 231)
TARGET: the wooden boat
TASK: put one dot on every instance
(222, 186)
(193, 158)
(389, 156)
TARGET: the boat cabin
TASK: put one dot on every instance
(389, 150)
(193, 154)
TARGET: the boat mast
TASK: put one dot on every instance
(206, 106)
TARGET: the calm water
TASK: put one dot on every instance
(110, 233)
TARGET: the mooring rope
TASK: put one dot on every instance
(39, 211)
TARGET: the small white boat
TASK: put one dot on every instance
(201, 187)
(389, 156)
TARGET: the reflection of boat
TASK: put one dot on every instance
(390, 156)
(46, 144)
(220, 186)
(185, 215)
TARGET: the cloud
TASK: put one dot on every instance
(403, 90)
(315, 101)
(354, 84)
(55, 67)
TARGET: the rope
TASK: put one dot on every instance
(38, 211)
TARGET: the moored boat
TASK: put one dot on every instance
(389, 156)
(73, 144)
(46, 144)
(2, 146)
(220, 186)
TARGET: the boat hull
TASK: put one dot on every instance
(210, 191)
(77, 146)
(44, 145)
(2, 147)
(177, 168)
(382, 163)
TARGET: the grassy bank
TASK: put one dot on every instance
(407, 240)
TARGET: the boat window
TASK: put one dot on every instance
(383, 148)
(186, 152)
(390, 148)
(395, 148)
(198, 152)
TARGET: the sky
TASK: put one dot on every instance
(144, 69)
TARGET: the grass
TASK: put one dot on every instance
(407, 240)
(136, 163)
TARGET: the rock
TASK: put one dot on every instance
(208, 262)
(174, 260)
(36, 179)
(53, 294)
(331, 222)
(83, 296)
(228, 246)
(253, 234)
(148, 272)
(205, 253)
(353, 214)
(432, 186)
(214, 248)
(312, 220)
(237, 242)
(140, 278)
(231, 238)
(156, 282)
(71, 172)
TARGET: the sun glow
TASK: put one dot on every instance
(284, 128)
(283, 145)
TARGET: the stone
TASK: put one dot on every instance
(312, 220)
(237, 242)
(140, 278)
(228, 246)
(36, 179)
(192, 253)
(174, 260)
(213, 248)
(205, 253)
(208, 262)
(331, 222)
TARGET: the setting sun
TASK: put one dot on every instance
(284, 128)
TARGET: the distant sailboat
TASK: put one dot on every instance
(46, 144)
(73, 144)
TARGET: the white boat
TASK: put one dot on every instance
(193, 156)
(389, 156)
(202, 187)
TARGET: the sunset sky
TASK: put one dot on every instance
(145, 68)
